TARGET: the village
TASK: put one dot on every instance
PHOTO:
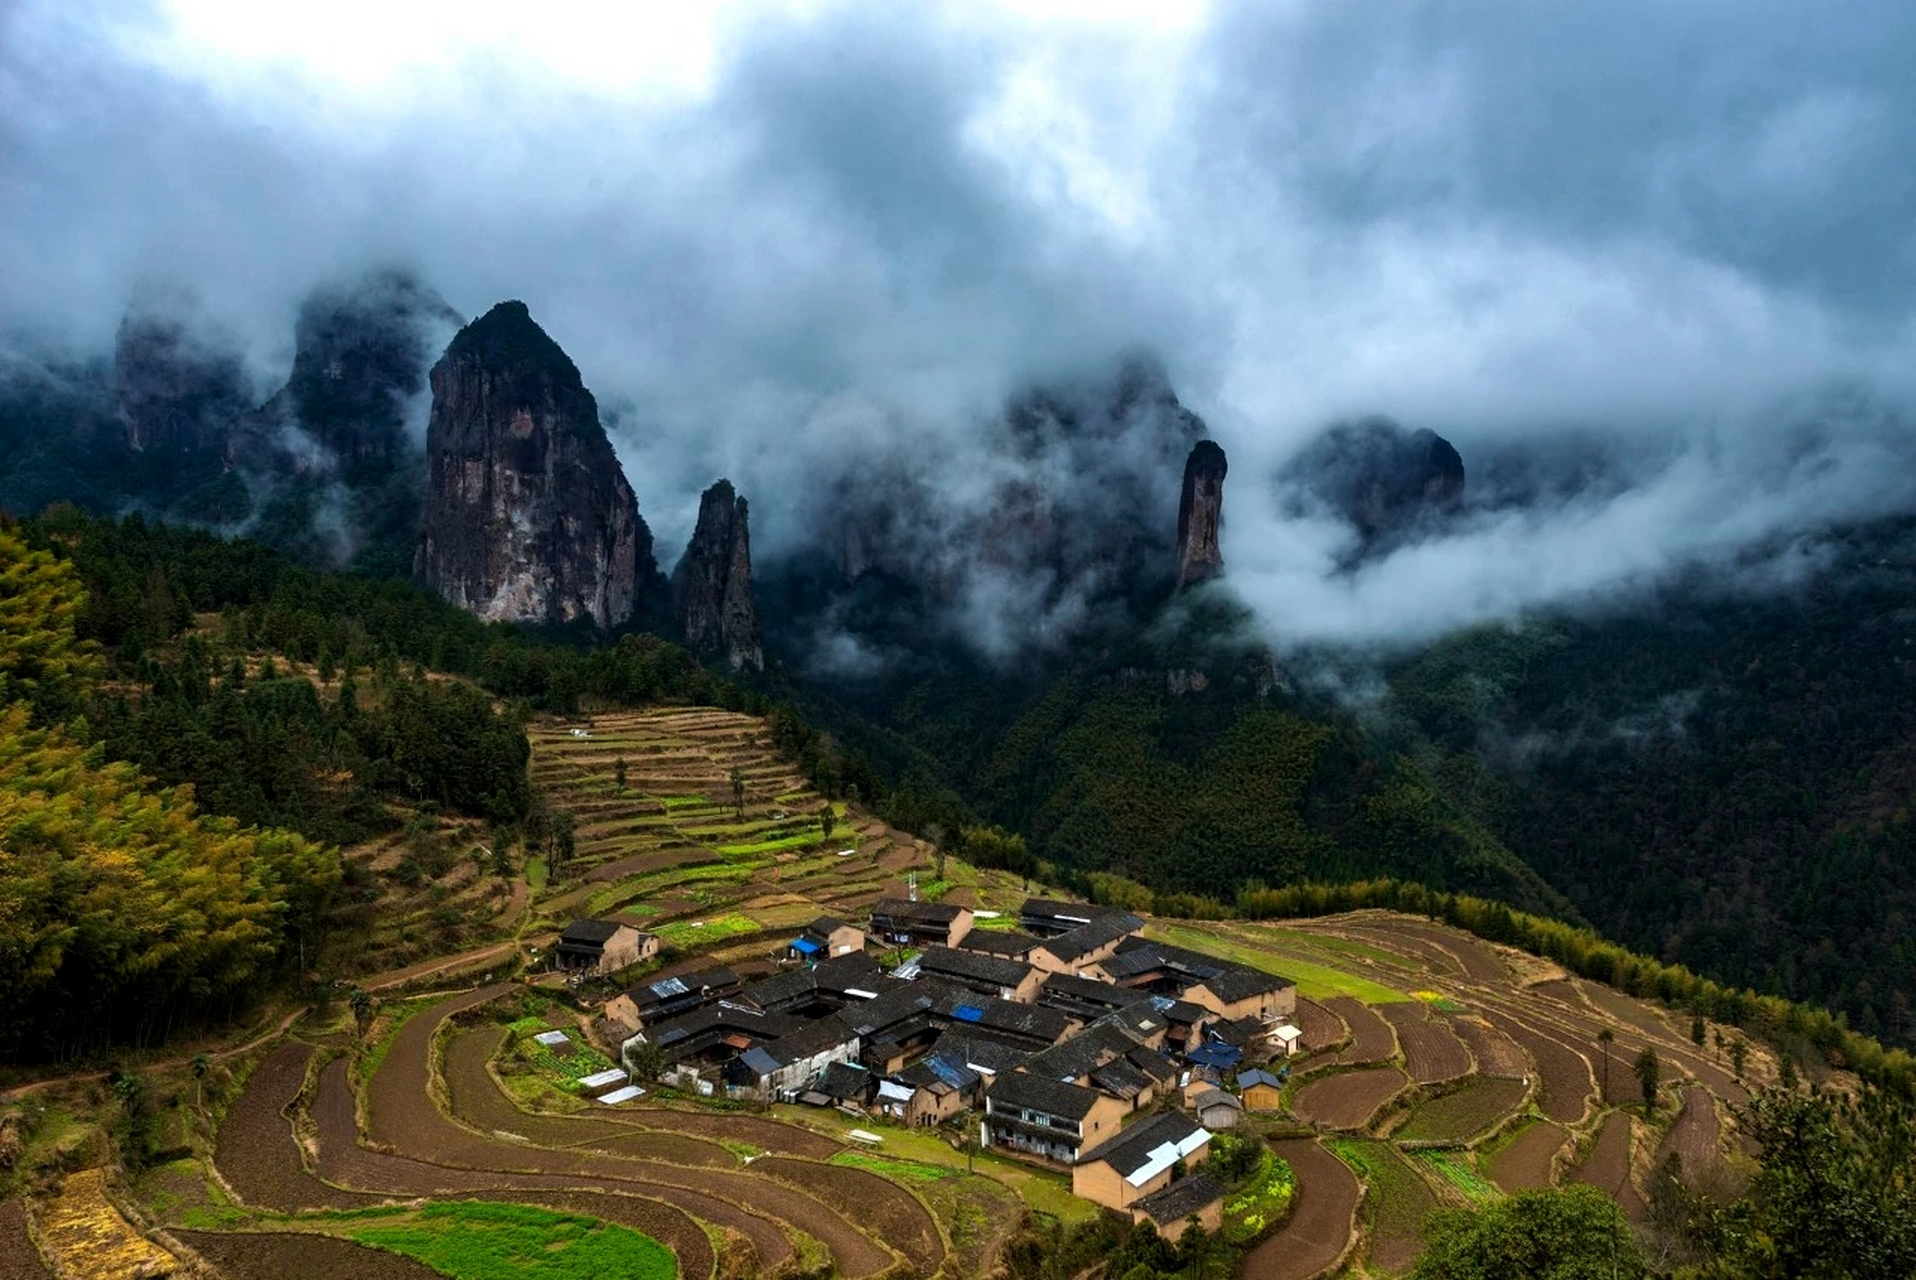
(1069, 1040)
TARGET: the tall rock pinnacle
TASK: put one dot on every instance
(1201, 514)
(712, 586)
(527, 516)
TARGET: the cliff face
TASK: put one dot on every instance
(527, 516)
(1387, 481)
(1201, 514)
(361, 352)
(178, 392)
(712, 586)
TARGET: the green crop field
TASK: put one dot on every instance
(469, 1240)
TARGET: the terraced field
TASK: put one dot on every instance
(1436, 1069)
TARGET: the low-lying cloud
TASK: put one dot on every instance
(853, 230)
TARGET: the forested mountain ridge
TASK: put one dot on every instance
(1721, 780)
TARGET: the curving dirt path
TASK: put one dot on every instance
(1319, 1229)
(19, 1260)
(255, 1150)
(898, 1216)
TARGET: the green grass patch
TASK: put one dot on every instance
(770, 846)
(1454, 1168)
(1260, 1203)
(684, 802)
(536, 874)
(1397, 1199)
(471, 1240)
(895, 1170)
(693, 933)
(1463, 1113)
(1317, 981)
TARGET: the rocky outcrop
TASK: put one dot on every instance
(1201, 514)
(712, 585)
(180, 389)
(361, 354)
(527, 516)
(1387, 481)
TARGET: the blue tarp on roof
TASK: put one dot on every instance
(968, 1013)
(1215, 1055)
(805, 946)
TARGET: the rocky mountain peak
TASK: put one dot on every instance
(361, 352)
(179, 387)
(1201, 514)
(712, 585)
(1386, 480)
(527, 516)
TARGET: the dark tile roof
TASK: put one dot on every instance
(1027, 1021)
(1184, 1198)
(981, 1052)
(972, 967)
(1054, 915)
(1088, 995)
(1217, 1098)
(1083, 1053)
(1131, 1150)
(872, 1017)
(591, 932)
(1152, 1063)
(941, 1072)
(1072, 946)
(825, 926)
(1120, 1079)
(1036, 1093)
(1240, 982)
(846, 1080)
(1000, 942)
(917, 912)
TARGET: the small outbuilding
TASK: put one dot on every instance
(1217, 1109)
(1260, 1090)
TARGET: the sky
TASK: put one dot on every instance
(778, 236)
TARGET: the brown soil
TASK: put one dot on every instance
(1478, 959)
(1320, 1026)
(1373, 1039)
(404, 1116)
(1694, 1135)
(1431, 1053)
(1397, 1232)
(1524, 1164)
(255, 1150)
(889, 1211)
(1347, 1100)
(19, 1260)
(1495, 1052)
(1314, 1237)
(1567, 1083)
(1607, 1167)
(263, 1255)
(340, 1159)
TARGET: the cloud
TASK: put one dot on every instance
(793, 243)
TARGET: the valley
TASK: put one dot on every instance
(421, 1133)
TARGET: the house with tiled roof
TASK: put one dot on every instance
(1142, 1160)
(1050, 1119)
